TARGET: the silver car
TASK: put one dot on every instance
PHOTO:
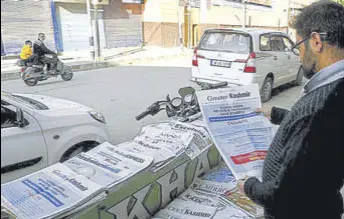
(246, 56)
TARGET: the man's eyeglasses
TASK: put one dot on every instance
(297, 45)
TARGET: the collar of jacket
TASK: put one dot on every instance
(325, 76)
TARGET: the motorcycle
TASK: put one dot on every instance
(31, 74)
(185, 108)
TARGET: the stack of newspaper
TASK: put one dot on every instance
(210, 196)
(108, 165)
(166, 141)
(54, 192)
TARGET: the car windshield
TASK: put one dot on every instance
(226, 41)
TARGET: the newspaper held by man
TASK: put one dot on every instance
(49, 193)
(107, 165)
(241, 135)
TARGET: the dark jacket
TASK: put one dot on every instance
(40, 49)
(304, 168)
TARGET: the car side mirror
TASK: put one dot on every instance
(286, 50)
(20, 118)
(296, 51)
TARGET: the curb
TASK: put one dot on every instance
(13, 75)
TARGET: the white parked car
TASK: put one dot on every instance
(37, 131)
(245, 56)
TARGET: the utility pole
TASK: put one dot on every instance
(90, 37)
(189, 25)
(96, 28)
(244, 13)
(179, 27)
(288, 15)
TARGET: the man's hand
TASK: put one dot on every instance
(241, 184)
(265, 111)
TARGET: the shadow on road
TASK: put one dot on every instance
(50, 82)
(282, 88)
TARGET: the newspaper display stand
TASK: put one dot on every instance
(144, 194)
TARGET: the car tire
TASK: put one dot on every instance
(299, 77)
(77, 149)
(266, 90)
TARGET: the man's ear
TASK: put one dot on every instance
(316, 43)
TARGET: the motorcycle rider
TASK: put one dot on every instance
(45, 55)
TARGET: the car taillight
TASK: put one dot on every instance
(250, 66)
(195, 58)
(22, 70)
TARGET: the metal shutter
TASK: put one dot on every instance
(123, 27)
(74, 27)
(23, 20)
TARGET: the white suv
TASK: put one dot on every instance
(246, 56)
(37, 131)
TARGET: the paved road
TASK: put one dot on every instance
(121, 93)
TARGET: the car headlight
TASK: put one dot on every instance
(97, 116)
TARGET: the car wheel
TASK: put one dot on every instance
(77, 149)
(299, 77)
(266, 90)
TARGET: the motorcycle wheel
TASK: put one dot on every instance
(31, 82)
(68, 75)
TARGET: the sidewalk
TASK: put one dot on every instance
(111, 58)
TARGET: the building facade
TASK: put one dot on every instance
(66, 24)
(165, 20)
(131, 23)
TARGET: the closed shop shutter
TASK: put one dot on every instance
(74, 27)
(23, 20)
(123, 25)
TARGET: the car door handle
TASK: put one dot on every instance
(275, 57)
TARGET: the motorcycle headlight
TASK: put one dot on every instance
(97, 116)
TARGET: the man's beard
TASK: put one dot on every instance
(309, 64)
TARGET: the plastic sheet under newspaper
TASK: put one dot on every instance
(210, 196)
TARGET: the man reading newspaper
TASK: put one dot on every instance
(304, 168)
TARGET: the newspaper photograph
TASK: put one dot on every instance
(238, 199)
(48, 193)
(241, 135)
(216, 182)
